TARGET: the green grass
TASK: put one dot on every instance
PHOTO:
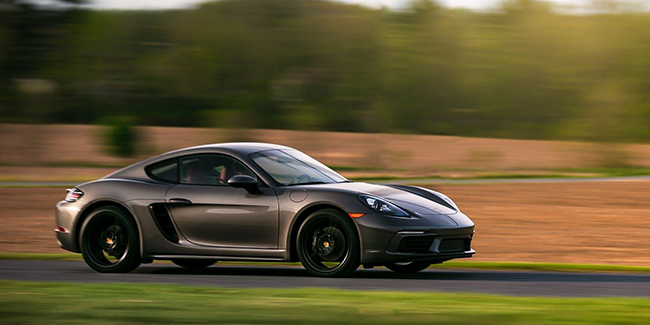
(478, 176)
(69, 164)
(574, 173)
(38, 186)
(546, 267)
(458, 264)
(475, 177)
(66, 303)
(583, 173)
(391, 178)
(65, 179)
(41, 257)
(363, 168)
(610, 171)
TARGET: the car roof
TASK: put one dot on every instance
(240, 147)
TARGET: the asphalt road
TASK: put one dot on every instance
(493, 282)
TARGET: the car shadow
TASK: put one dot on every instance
(380, 273)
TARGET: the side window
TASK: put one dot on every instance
(211, 169)
(165, 171)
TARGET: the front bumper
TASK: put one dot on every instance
(389, 239)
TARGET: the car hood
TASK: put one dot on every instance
(416, 200)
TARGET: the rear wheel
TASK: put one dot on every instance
(109, 241)
(194, 263)
(328, 244)
(407, 267)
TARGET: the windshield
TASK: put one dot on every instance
(291, 167)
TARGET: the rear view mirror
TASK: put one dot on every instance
(246, 182)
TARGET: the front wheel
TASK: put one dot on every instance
(407, 267)
(194, 263)
(109, 241)
(328, 244)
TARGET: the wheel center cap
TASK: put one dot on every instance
(329, 244)
(325, 244)
(111, 240)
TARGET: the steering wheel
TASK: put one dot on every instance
(304, 178)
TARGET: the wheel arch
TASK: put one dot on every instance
(302, 215)
(85, 212)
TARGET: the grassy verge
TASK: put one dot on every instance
(460, 264)
(80, 164)
(485, 176)
(609, 171)
(41, 257)
(58, 303)
(364, 168)
(575, 173)
(62, 185)
(70, 179)
(551, 173)
(547, 267)
(491, 176)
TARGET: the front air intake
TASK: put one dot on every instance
(456, 245)
(415, 244)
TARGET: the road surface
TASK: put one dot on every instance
(522, 283)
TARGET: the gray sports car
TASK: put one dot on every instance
(256, 202)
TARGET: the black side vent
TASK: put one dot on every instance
(415, 244)
(164, 222)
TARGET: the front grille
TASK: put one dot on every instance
(454, 245)
(415, 244)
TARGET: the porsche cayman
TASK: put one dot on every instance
(256, 202)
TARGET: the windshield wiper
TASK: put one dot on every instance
(307, 183)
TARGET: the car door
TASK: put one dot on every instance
(207, 211)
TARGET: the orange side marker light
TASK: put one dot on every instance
(356, 215)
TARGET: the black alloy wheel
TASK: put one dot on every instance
(192, 263)
(109, 241)
(328, 244)
(408, 267)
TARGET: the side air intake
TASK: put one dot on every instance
(164, 222)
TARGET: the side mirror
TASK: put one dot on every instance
(246, 182)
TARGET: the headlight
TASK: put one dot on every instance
(73, 194)
(382, 206)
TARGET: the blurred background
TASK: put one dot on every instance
(378, 90)
(575, 70)
(517, 69)
(532, 115)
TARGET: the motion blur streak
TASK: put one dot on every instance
(522, 70)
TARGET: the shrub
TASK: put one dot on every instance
(120, 136)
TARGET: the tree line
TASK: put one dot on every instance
(523, 71)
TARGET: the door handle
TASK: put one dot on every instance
(180, 201)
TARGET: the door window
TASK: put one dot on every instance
(211, 169)
(165, 171)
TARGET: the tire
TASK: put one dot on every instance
(109, 241)
(193, 263)
(328, 244)
(408, 267)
